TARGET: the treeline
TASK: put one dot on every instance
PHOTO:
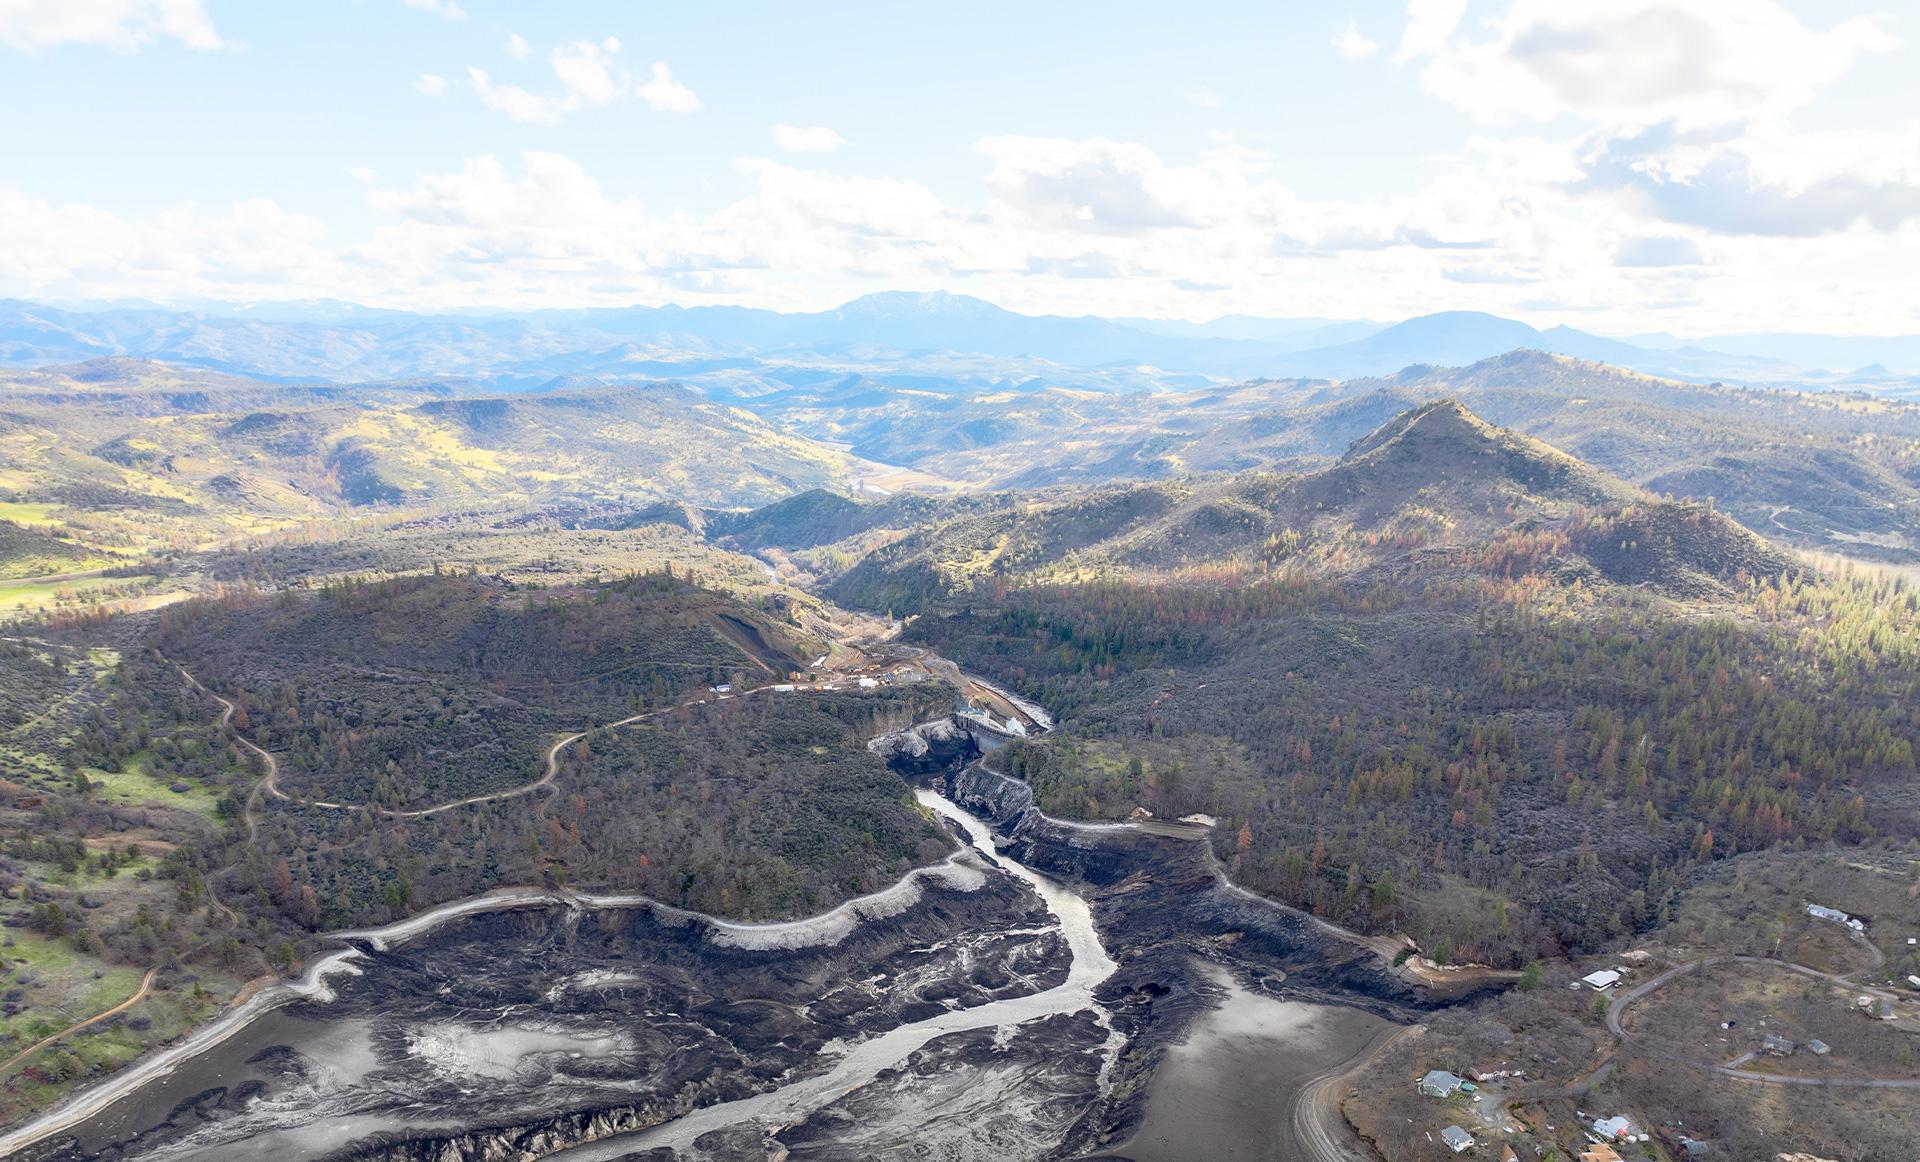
(1506, 778)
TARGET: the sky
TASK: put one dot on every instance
(1693, 167)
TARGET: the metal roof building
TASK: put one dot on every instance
(1439, 1083)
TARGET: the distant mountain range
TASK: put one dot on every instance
(944, 339)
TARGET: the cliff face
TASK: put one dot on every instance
(1003, 801)
(940, 747)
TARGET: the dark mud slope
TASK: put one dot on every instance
(986, 1093)
(1149, 889)
(510, 1033)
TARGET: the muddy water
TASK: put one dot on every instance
(863, 1062)
(1227, 1090)
(419, 1039)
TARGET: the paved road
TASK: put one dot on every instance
(139, 994)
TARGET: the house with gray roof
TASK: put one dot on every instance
(1440, 1083)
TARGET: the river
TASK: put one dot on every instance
(863, 1062)
(524, 1006)
(299, 1080)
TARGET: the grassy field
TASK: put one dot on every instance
(27, 595)
(168, 1012)
(135, 785)
(1757, 905)
(30, 513)
(1720, 1014)
(65, 986)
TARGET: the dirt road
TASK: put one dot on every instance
(139, 994)
(1319, 1126)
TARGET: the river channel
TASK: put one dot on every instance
(971, 1010)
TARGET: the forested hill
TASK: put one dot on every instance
(1459, 684)
(423, 689)
(1433, 493)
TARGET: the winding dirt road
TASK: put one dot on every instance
(1617, 1009)
(271, 782)
(1616, 1014)
(1318, 1125)
(139, 994)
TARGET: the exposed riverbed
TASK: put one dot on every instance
(790, 1105)
(1227, 1089)
(1051, 990)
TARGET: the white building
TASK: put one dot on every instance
(1616, 1129)
(1601, 981)
(1822, 912)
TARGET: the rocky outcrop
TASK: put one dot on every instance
(514, 1143)
(1151, 887)
(940, 747)
(1002, 801)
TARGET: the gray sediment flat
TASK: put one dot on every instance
(1227, 1090)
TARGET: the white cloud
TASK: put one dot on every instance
(517, 103)
(806, 139)
(1430, 24)
(586, 71)
(517, 47)
(589, 77)
(445, 9)
(1775, 184)
(665, 94)
(552, 192)
(122, 25)
(1658, 250)
(1635, 62)
(1105, 186)
(254, 249)
(1689, 105)
(1352, 44)
(431, 84)
(1062, 225)
(1204, 99)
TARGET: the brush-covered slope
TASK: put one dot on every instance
(133, 456)
(1434, 490)
(1814, 470)
(428, 688)
(31, 552)
(1458, 684)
